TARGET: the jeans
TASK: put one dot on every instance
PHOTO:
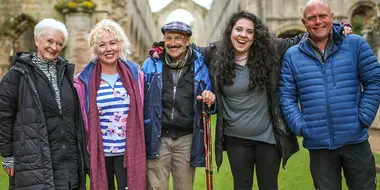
(244, 155)
(358, 165)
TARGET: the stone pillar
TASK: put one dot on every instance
(376, 33)
(78, 25)
(5, 63)
(377, 30)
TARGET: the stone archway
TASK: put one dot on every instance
(361, 16)
(10, 31)
(365, 20)
(197, 11)
(290, 31)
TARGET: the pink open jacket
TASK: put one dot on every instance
(134, 163)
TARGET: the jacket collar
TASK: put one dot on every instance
(25, 58)
(86, 73)
(337, 42)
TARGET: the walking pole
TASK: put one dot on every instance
(209, 139)
(206, 117)
(205, 142)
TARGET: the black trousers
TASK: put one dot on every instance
(244, 155)
(358, 165)
(114, 167)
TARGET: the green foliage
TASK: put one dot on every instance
(14, 23)
(357, 24)
(67, 6)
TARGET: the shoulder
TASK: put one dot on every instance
(353, 39)
(292, 50)
(86, 72)
(13, 73)
(63, 60)
(132, 66)
(151, 64)
(197, 53)
(148, 62)
(131, 63)
(69, 66)
(354, 43)
(13, 76)
(200, 59)
(292, 55)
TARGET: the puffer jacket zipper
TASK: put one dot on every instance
(322, 66)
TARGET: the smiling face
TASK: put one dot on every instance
(49, 44)
(317, 19)
(175, 45)
(107, 49)
(242, 36)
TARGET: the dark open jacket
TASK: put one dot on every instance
(152, 70)
(286, 141)
(48, 144)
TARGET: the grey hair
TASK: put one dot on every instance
(48, 23)
(106, 25)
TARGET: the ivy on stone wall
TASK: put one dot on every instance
(67, 6)
(16, 25)
(376, 26)
(357, 24)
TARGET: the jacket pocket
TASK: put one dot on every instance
(197, 153)
(305, 132)
(152, 131)
(358, 120)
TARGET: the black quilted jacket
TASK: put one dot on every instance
(48, 145)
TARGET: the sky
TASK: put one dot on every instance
(179, 14)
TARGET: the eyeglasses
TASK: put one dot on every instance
(176, 38)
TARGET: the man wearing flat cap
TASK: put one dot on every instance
(172, 114)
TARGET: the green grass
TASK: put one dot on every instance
(295, 177)
(3, 178)
(377, 158)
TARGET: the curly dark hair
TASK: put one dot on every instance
(261, 55)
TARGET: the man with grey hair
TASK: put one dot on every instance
(336, 81)
(174, 137)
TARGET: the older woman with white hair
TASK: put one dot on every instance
(109, 89)
(41, 129)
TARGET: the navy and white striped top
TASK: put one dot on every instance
(113, 105)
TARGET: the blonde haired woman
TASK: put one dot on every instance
(109, 90)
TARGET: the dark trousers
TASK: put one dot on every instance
(114, 166)
(12, 183)
(356, 160)
(244, 155)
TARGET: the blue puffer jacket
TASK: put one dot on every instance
(152, 70)
(335, 111)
